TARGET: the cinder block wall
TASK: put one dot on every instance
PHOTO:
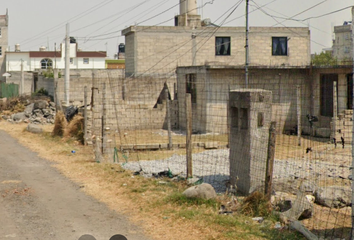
(213, 84)
(16, 79)
(159, 49)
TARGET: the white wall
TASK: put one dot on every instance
(13, 62)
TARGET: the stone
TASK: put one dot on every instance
(333, 196)
(18, 116)
(29, 108)
(41, 104)
(204, 190)
(33, 128)
(52, 104)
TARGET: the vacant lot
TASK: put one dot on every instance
(153, 204)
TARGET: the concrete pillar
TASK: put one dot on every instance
(250, 112)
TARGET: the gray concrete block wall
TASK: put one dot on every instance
(160, 49)
(213, 84)
(16, 79)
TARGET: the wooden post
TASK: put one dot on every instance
(104, 137)
(168, 113)
(85, 115)
(270, 161)
(189, 134)
(298, 93)
(335, 110)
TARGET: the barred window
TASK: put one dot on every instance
(222, 46)
(279, 46)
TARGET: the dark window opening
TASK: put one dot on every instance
(222, 46)
(279, 46)
(326, 94)
(350, 91)
(191, 86)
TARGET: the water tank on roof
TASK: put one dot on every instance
(72, 40)
(121, 48)
(17, 48)
(42, 49)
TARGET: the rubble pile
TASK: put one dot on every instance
(38, 112)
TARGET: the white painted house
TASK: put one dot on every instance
(43, 59)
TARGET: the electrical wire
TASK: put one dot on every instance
(281, 23)
(90, 10)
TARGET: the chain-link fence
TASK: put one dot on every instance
(207, 118)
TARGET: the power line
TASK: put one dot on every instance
(312, 7)
(281, 23)
(182, 54)
(326, 14)
(94, 8)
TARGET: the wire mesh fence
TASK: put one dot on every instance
(311, 168)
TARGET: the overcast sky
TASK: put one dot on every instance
(97, 24)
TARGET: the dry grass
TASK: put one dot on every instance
(75, 129)
(147, 202)
(59, 124)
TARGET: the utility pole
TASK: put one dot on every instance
(246, 46)
(22, 90)
(67, 66)
(352, 231)
(55, 55)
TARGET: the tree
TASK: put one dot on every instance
(324, 59)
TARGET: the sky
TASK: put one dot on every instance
(97, 24)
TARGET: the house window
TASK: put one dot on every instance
(0, 32)
(86, 61)
(71, 61)
(279, 46)
(191, 86)
(0, 51)
(222, 46)
(46, 63)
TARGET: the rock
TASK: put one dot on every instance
(46, 112)
(38, 112)
(204, 190)
(34, 128)
(277, 225)
(29, 108)
(334, 196)
(52, 104)
(283, 201)
(41, 104)
(18, 116)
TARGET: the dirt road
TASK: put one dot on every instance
(37, 202)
